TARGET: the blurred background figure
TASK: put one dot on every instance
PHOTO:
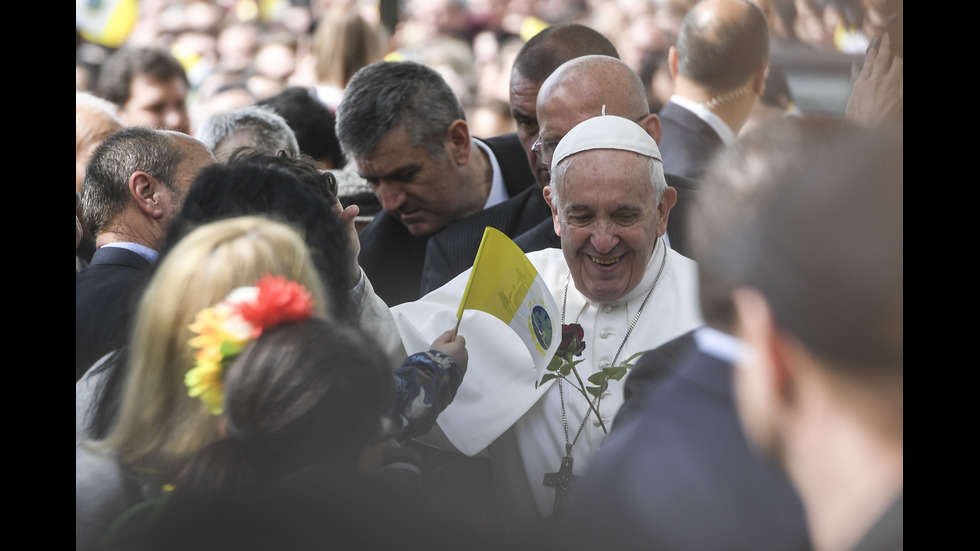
(252, 126)
(149, 86)
(490, 117)
(719, 67)
(312, 123)
(343, 42)
(820, 383)
(95, 120)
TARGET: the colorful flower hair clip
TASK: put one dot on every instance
(224, 330)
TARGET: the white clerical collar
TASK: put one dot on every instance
(723, 346)
(149, 254)
(708, 116)
(498, 192)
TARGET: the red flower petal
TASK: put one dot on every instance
(279, 301)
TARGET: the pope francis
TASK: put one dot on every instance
(614, 275)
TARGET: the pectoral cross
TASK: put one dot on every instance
(561, 482)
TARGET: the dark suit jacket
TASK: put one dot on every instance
(453, 250)
(679, 474)
(394, 259)
(106, 293)
(653, 367)
(542, 235)
(688, 143)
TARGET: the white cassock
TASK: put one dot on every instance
(498, 397)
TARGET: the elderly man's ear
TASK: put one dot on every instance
(549, 198)
(146, 192)
(667, 202)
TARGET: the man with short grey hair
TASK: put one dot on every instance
(252, 126)
(406, 131)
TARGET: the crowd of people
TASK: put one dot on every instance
(278, 210)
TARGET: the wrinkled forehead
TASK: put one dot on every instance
(613, 170)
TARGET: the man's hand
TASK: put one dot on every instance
(878, 94)
(347, 217)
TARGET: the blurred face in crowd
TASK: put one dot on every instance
(157, 104)
(608, 220)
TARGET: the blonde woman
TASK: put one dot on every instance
(159, 426)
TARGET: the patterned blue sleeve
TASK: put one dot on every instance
(425, 384)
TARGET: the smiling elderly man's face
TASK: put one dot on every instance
(609, 220)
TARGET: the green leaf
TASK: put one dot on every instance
(615, 373)
(599, 377)
(628, 362)
(594, 390)
(555, 363)
(544, 379)
(565, 369)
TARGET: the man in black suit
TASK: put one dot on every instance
(135, 184)
(583, 88)
(406, 131)
(678, 471)
(719, 67)
(453, 252)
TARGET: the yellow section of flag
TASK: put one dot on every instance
(106, 22)
(500, 278)
(505, 284)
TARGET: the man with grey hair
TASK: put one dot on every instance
(613, 275)
(250, 126)
(719, 66)
(406, 131)
(135, 184)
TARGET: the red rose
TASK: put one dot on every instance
(572, 339)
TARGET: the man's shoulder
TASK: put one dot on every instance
(681, 124)
(504, 216)
(541, 236)
(118, 256)
(505, 142)
(676, 113)
(111, 267)
(384, 233)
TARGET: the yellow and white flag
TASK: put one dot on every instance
(505, 284)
